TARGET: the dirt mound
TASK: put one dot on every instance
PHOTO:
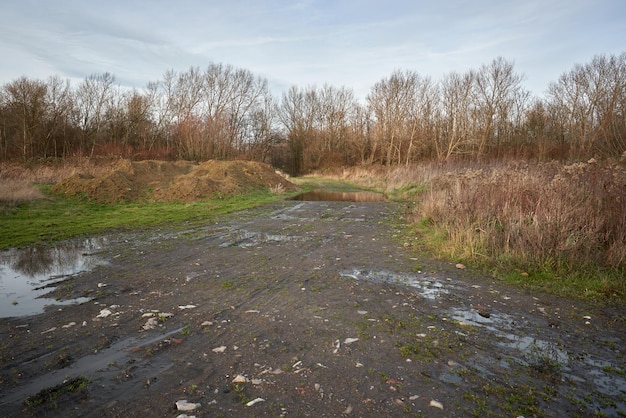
(165, 181)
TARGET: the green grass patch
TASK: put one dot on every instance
(57, 218)
(48, 397)
(590, 282)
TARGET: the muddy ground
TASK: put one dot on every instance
(305, 308)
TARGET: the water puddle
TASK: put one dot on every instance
(244, 238)
(89, 366)
(27, 275)
(426, 287)
(326, 196)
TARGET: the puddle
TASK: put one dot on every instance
(27, 275)
(517, 342)
(426, 287)
(326, 196)
(244, 238)
(88, 366)
(536, 351)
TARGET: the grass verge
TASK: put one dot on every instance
(57, 218)
(554, 227)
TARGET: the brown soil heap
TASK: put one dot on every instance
(165, 181)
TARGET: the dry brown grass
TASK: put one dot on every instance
(18, 180)
(13, 192)
(548, 215)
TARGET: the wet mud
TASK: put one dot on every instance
(301, 308)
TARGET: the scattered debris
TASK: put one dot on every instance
(183, 405)
(186, 307)
(151, 323)
(219, 349)
(350, 340)
(436, 404)
(104, 313)
(240, 379)
(255, 401)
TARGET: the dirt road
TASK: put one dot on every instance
(305, 309)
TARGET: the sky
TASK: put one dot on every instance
(343, 43)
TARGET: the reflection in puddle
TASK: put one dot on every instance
(26, 275)
(326, 196)
(426, 287)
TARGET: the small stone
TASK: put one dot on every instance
(206, 324)
(348, 410)
(460, 266)
(183, 405)
(255, 401)
(151, 323)
(350, 340)
(436, 404)
(104, 313)
(219, 349)
(186, 306)
(240, 379)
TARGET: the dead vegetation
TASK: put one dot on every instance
(541, 215)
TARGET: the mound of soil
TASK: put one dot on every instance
(165, 181)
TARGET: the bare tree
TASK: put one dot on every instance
(95, 96)
(60, 102)
(24, 105)
(298, 112)
(403, 106)
(496, 90)
(456, 119)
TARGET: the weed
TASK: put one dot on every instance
(544, 361)
(49, 396)
(239, 390)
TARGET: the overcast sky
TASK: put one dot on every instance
(351, 43)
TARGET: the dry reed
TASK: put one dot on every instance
(544, 215)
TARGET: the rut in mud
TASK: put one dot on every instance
(304, 308)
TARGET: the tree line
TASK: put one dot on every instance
(223, 112)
